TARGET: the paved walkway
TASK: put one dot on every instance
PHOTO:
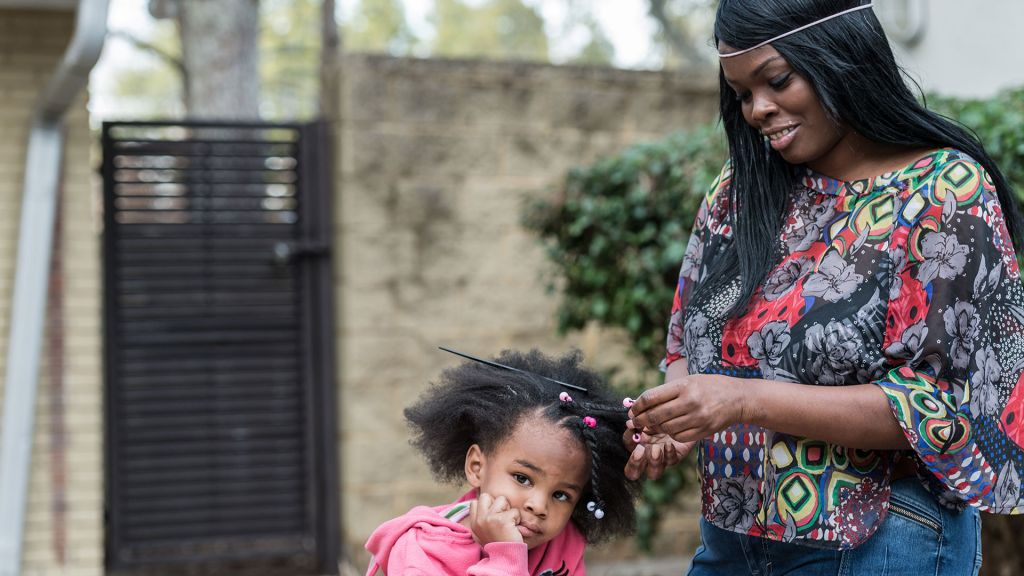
(665, 566)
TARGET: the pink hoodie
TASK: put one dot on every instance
(424, 542)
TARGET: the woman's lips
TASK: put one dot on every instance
(783, 138)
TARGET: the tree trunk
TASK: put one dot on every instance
(1001, 538)
(220, 51)
(330, 49)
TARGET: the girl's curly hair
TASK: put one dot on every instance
(474, 403)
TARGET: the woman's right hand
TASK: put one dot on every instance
(653, 454)
(493, 520)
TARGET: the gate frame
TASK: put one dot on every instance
(315, 152)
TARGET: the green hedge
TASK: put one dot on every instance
(617, 231)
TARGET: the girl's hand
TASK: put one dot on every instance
(689, 408)
(653, 454)
(493, 520)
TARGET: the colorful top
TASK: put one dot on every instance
(907, 280)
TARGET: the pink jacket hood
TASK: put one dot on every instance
(423, 541)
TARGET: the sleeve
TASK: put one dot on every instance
(413, 556)
(693, 263)
(502, 559)
(955, 331)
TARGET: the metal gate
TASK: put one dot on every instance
(218, 326)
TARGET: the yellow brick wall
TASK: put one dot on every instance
(69, 541)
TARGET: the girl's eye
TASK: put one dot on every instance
(563, 497)
(780, 81)
(521, 478)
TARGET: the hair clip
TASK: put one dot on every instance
(590, 421)
(564, 397)
(497, 365)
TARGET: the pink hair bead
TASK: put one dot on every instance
(564, 397)
(637, 437)
(589, 421)
(628, 402)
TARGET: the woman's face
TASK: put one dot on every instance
(782, 105)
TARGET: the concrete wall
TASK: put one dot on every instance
(436, 158)
(957, 48)
(64, 521)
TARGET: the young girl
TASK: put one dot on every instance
(544, 461)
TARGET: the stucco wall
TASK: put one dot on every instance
(964, 49)
(436, 158)
(64, 520)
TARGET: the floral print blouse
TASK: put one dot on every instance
(907, 280)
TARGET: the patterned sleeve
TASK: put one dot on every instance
(955, 327)
(711, 206)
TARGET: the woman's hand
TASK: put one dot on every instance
(653, 454)
(689, 408)
(493, 520)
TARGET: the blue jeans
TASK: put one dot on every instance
(917, 538)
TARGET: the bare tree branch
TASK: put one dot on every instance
(168, 58)
(677, 38)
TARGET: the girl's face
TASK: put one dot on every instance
(783, 106)
(541, 469)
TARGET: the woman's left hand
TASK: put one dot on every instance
(690, 408)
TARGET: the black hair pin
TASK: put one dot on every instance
(502, 366)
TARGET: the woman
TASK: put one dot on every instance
(847, 337)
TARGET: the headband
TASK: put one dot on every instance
(794, 31)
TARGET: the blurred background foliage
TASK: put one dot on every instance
(616, 231)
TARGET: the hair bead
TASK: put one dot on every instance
(590, 421)
(564, 397)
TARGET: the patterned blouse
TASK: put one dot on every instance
(907, 280)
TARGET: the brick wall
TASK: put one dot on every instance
(64, 520)
(436, 158)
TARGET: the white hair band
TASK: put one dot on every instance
(794, 31)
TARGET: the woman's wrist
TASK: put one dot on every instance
(745, 402)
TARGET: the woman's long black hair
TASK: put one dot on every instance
(852, 69)
(474, 403)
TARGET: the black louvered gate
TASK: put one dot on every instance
(218, 323)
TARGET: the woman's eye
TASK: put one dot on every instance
(743, 96)
(522, 479)
(780, 81)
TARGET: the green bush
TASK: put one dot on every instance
(617, 232)
(999, 123)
